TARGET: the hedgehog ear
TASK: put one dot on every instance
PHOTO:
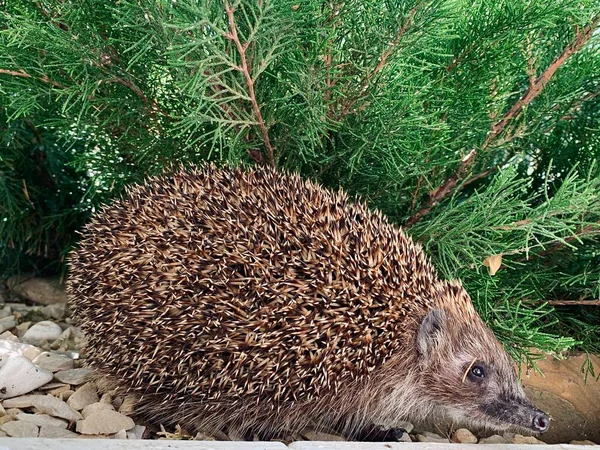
(431, 332)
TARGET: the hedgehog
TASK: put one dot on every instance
(253, 301)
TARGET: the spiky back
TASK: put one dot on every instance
(213, 285)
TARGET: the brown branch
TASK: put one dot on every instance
(449, 185)
(380, 65)
(583, 302)
(22, 74)
(244, 68)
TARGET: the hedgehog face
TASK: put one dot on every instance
(467, 373)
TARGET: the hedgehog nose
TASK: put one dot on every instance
(541, 422)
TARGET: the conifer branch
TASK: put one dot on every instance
(245, 69)
(21, 73)
(582, 302)
(362, 92)
(535, 88)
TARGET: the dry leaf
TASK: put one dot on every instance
(493, 262)
(295, 7)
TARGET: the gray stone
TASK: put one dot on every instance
(54, 362)
(56, 311)
(83, 397)
(494, 439)
(73, 376)
(121, 434)
(520, 439)
(95, 407)
(50, 431)
(43, 331)
(44, 291)
(42, 419)
(312, 435)
(427, 436)
(20, 428)
(104, 422)
(45, 404)
(6, 323)
(5, 312)
(136, 432)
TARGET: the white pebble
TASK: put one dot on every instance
(54, 362)
(45, 330)
(73, 376)
(11, 347)
(19, 376)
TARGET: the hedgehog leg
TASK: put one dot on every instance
(377, 433)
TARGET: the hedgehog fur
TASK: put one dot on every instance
(253, 300)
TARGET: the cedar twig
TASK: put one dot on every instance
(380, 65)
(535, 88)
(245, 69)
(583, 302)
(21, 73)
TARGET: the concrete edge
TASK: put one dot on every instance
(116, 444)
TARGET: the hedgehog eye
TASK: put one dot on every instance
(476, 372)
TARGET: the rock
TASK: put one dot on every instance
(494, 439)
(121, 434)
(12, 412)
(43, 331)
(50, 431)
(31, 352)
(569, 395)
(19, 376)
(73, 376)
(44, 291)
(42, 419)
(427, 436)
(5, 419)
(584, 442)
(84, 396)
(8, 336)
(54, 362)
(6, 323)
(22, 328)
(136, 432)
(312, 435)
(104, 422)
(12, 347)
(58, 391)
(520, 439)
(5, 311)
(45, 404)
(19, 428)
(2, 411)
(128, 405)
(464, 436)
(95, 407)
(56, 311)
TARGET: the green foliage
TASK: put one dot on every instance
(474, 124)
